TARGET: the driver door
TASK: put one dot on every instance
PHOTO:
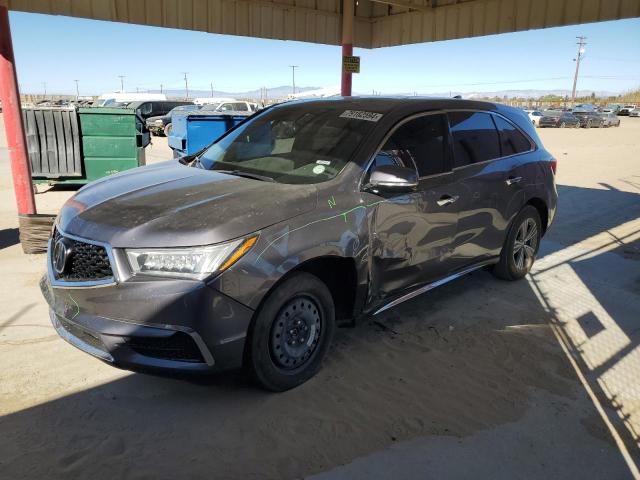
(412, 234)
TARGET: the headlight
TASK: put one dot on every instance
(193, 262)
(158, 122)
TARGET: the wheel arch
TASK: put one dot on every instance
(328, 268)
(541, 206)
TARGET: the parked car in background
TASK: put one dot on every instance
(558, 120)
(610, 119)
(154, 108)
(534, 116)
(161, 124)
(235, 106)
(107, 99)
(626, 109)
(584, 107)
(612, 108)
(635, 112)
(308, 214)
(589, 119)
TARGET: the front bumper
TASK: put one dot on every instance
(152, 324)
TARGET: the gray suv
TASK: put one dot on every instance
(305, 215)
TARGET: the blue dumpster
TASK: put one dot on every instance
(192, 131)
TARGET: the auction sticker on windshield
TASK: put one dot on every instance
(361, 115)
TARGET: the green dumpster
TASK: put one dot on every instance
(113, 140)
(79, 146)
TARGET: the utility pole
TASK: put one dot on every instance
(160, 88)
(211, 89)
(44, 85)
(121, 77)
(186, 86)
(137, 90)
(293, 74)
(581, 43)
(77, 90)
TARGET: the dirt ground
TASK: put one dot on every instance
(477, 379)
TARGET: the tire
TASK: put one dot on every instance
(562, 125)
(167, 129)
(515, 263)
(274, 349)
(588, 125)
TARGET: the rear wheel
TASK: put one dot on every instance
(521, 245)
(291, 333)
(562, 125)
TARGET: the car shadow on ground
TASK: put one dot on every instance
(9, 237)
(463, 358)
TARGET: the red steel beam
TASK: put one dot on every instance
(347, 45)
(16, 141)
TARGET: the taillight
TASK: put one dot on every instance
(554, 165)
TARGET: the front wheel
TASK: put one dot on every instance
(167, 129)
(563, 125)
(291, 333)
(521, 245)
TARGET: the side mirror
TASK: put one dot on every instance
(392, 178)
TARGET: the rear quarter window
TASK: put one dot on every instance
(475, 138)
(512, 141)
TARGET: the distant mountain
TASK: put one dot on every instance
(517, 93)
(272, 93)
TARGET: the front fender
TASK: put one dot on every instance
(328, 231)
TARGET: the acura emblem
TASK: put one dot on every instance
(61, 252)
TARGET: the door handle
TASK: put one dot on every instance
(512, 180)
(447, 200)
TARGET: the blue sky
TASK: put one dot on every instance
(57, 50)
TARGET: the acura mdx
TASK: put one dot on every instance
(305, 215)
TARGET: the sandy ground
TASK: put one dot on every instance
(469, 380)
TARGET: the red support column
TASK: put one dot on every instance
(347, 45)
(345, 87)
(12, 112)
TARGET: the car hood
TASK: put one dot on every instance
(157, 117)
(170, 205)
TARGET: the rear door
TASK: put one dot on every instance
(412, 233)
(489, 170)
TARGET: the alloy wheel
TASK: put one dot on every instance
(296, 333)
(525, 244)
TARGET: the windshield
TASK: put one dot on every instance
(292, 144)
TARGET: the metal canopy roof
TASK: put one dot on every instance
(378, 23)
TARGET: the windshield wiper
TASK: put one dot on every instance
(254, 176)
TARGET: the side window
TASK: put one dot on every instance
(240, 107)
(475, 138)
(419, 143)
(511, 140)
(146, 108)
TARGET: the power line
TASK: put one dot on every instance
(186, 86)
(581, 43)
(293, 75)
